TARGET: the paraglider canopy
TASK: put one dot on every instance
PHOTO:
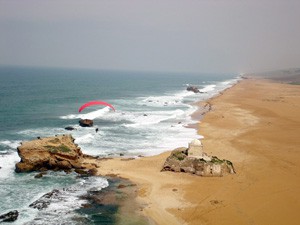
(95, 103)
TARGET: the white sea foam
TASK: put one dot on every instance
(90, 115)
(41, 132)
(66, 200)
(175, 136)
(87, 138)
(171, 99)
(7, 164)
(226, 82)
(155, 117)
(119, 116)
(148, 129)
(208, 88)
(10, 144)
(229, 83)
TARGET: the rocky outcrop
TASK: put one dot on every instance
(86, 123)
(51, 153)
(207, 166)
(193, 89)
(10, 216)
(69, 128)
(44, 201)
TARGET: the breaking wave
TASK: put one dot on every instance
(90, 115)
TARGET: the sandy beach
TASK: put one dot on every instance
(256, 125)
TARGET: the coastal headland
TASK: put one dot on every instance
(256, 125)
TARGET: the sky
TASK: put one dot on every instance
(152, 35)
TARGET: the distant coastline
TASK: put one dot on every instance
(290, 76)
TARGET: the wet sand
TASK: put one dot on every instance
(256, 125)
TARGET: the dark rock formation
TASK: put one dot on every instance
(92, 172)
(81, 171)
(86, 172)
(193, 89)
(70, 128)
(40, 175)
(45, 200)
(10, 216)
(179, 161)
(51, 153)
(86, 123)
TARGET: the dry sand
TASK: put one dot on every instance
(256, 125)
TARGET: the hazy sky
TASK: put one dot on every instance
(162, 35)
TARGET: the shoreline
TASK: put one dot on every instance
(204, 107)
(244, 125)
(154, 216)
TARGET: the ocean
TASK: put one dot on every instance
(152, 113)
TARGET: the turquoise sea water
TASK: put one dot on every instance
(152, 111)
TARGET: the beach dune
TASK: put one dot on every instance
(256, 125)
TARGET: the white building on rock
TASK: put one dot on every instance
(196, 150)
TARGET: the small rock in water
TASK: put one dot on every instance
(121, 154)
(69, 128)
(39, 175)
(10, 216)
(193, 89)
(86, 123)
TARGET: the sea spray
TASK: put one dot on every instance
(60, 205)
